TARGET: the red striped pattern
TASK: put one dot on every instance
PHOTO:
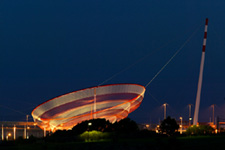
(205, 35)
(113, 102)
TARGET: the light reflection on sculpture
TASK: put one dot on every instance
(112, 102)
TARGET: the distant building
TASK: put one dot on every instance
(11, 130)
(145, 126)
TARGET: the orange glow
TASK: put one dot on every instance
(112, 102)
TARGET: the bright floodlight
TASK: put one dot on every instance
(112, 102)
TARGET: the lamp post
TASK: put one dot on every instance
(89, 124)
(8, 136)
(2, 132)
(164, 105)
(189, 105)
(24, 132)
(213, 106)
(181, 128)
(27, 126)
(14, 132)
(44, 132)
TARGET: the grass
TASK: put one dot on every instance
(153, 143)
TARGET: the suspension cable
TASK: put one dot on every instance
(182, 46)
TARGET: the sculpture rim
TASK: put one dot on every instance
(126, 109)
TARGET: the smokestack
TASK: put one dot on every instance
(197, 103)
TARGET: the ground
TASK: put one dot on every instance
(153, 143)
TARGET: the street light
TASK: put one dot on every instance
(164, 105)
(44, 132)
(190, 114)
(181, 125)
(8, 136)
(14, 132)
(2, 132)
(213, 106)
(89, 124)
(27, 127)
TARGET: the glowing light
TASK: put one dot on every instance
(14, 132)
(112, 102)
(216, 131)
(181, 129)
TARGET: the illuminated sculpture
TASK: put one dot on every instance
(112, 102)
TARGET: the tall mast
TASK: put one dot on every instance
(197, 103)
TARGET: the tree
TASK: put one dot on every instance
(126, 126)
(169, 126)
(93, 124)
(199, 130)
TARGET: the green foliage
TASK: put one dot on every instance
(94, 124)
(100, 127)
(94, 135)
(199, 130)
(169, 126)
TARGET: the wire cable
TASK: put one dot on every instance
(182, 46)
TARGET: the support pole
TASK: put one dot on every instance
(197, 103)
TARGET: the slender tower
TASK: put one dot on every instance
(197, 103)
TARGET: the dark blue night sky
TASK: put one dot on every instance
(51, 47)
